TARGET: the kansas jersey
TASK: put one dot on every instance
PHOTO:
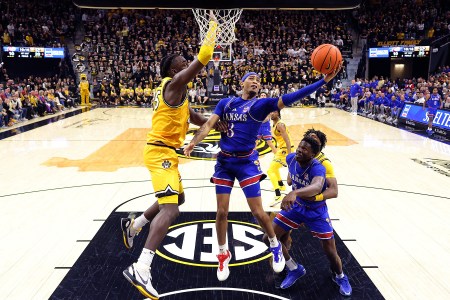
(244, 118)
(169, 123)
(281, 144)
(434, 101)
(302, 177)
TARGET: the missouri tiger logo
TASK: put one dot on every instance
(209, 147)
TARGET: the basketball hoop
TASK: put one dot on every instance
(216, 62)
(226, 19)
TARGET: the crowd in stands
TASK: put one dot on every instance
(382, 99)
(37, 23)
(34, 97)
(122, 50)
(402, 20)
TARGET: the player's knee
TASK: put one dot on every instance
(222, 213)
(171, 211)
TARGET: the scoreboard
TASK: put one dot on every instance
(400, 52)
(32, 52)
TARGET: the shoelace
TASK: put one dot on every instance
(222, 257)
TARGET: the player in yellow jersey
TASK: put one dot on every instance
(170, 123)
(84, 90)
(283, 143)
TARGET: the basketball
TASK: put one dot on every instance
(325, 58)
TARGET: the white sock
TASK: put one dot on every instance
(223, 248)
(291, 264)
(273, 242)
(340, 275)
(146, 257)
(139, 222)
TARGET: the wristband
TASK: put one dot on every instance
(207, 48)
(319, 197)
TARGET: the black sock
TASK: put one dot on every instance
(277, 192)
(280, 183)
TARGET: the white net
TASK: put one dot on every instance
(226, 19)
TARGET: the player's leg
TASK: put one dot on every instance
(285, 222)
(319, 223)
(131, 227)
(249, 174)
(224, 256)
(255, 204)
(431, 114)
(163, 166)
(224, 183)
(274, 172)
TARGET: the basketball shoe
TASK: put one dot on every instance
(223, 271)
(139, 276)
(128, 231)
(293, 276)
(278, 261)
(344, 285)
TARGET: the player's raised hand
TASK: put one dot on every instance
(331, 75)
(212, 17)
(288, 201)
(188, 149)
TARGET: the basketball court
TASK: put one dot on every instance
(67, 180)
(67, 183)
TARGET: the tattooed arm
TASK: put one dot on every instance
(201, 133)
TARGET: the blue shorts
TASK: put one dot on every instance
(432, 111)
(245, 169)
(317, 220)
(264, 132)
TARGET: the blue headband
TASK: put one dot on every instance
(247, 75)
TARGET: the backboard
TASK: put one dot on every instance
(245, 4)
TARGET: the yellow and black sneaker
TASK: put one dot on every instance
(128, 231)
(139, 276)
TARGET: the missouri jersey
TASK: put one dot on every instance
(281, 143)
(327, 164)
(169, 123)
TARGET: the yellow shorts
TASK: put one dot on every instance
(280, 157)
(162, 162)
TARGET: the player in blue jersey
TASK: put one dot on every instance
(238, 159)
(433, 102)
(264, 132)
(305, 204)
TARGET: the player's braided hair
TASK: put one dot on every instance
(322, 136)
(166, 62)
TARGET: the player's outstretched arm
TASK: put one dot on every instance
(291, 98)
(201, 133)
